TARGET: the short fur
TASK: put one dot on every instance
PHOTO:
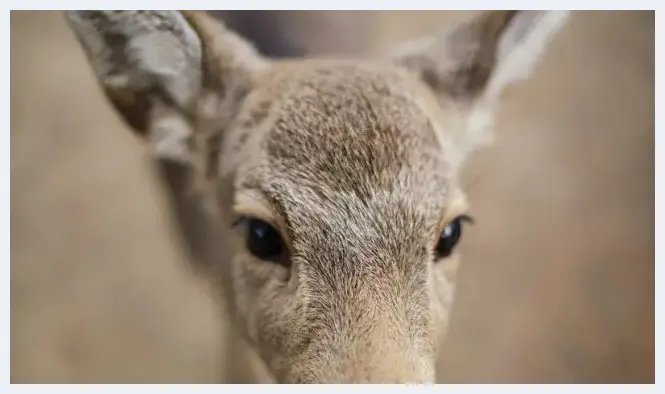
(354, 161)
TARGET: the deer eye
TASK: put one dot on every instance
(450, 236)
(264, 241)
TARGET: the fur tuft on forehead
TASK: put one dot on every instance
(351, 127)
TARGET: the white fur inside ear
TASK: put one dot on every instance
(479, 125)
(522, 46)
(170, 138)
(413, 47)
(175, 61)
(137, 50)
(476, 131)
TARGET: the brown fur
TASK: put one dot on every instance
(354, 161)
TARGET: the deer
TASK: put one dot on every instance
(335, 179)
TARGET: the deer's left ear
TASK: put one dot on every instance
(473, 63)
(481, 57)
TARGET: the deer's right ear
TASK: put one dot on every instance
(155, 66)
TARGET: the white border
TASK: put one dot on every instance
(300, 4)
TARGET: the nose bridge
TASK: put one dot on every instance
(370, 332)
(373, 350)
(392, 351)
(367, 309)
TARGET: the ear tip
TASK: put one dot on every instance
(537, 14)
(559, 15)
(79, 18)
(79, 15)
(72, 16)
(558, 18)
(546, 21)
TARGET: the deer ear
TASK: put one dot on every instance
(153, 66)
(484, 55)
(473, 63)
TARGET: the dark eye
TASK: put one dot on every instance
(264, 241)
(450, 236)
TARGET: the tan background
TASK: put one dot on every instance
(558, 277)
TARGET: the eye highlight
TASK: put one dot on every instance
(450, 236)
(264, 241)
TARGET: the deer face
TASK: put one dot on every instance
(336, 179)
(346, 213)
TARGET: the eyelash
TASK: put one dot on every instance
(467, 219)
(239, 220)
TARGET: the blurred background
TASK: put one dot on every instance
(557, 280)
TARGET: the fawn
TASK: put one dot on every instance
(335, 179)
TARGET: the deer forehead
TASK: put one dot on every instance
(323, 134)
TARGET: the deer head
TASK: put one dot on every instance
(337, 179)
